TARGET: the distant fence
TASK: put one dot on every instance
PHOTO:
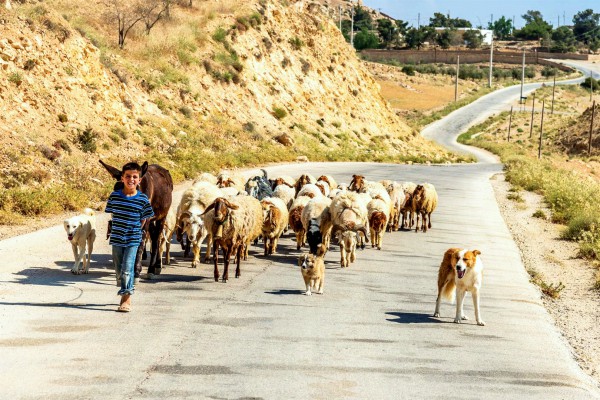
(471, 57)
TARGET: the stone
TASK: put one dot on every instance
(285, 139)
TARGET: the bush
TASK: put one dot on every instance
(409, 70)
(586, 84)
(296, 43)
(87, 140)
(279, 113)
(220, 35)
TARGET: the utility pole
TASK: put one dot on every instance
(591, 128)
(553, 89)
(340, 9)
(531, 122)
(541, 132)
(522, 77)
(491, 60)
(509, 124)
(456, 82)
(419, 21)
(352, 27)
(591, 84)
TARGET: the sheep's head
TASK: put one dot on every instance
(222, 209)
(418, 193)
(357, 183)
(191, 223)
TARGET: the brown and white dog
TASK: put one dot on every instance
(81, 231)
(461, 269)
(313, 270)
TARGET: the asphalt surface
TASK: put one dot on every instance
(371, 335)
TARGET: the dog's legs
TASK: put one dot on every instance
(321, 284)
(438, 302)
(75, 268)
(460, 296)
(90, 248)
(475, 294)
(309, 284)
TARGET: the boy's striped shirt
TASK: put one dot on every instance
(127, 214)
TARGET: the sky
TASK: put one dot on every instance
(479, 12)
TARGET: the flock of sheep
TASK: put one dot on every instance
(231, 212)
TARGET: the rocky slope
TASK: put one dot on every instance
(216, 98)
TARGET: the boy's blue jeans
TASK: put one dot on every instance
(124, 264)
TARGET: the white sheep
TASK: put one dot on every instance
(233, 223)
(206, 177)
(379, 216)
(311, 190)
(275, 220)
(407, 211)
(317, 211)
(164, 240)
(295, 220)
(349, 212)
(330, 181)
(194, 202)
(424, 201)
(285, 193)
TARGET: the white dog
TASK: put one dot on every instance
(81, 230)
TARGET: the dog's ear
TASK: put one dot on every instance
(476, 253)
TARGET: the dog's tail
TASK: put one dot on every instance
(89, 211)
(449, 291)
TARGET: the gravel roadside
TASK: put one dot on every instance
(576, 311)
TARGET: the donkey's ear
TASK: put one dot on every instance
(144, 169)
(115, 173)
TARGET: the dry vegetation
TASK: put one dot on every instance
(565, 174)
(209, 87)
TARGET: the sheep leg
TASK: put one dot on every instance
(216, 257)
(226, 259)
(429, 220)
(424, 221)
(209, 245)
(238, 271)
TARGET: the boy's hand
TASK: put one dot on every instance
(109, 229)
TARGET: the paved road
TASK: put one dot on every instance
(370, 336)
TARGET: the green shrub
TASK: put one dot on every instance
(409, 70)
(296, 43)
(220, 35)
(279, 113)
(87, 140)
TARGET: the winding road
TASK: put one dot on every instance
(371, 335)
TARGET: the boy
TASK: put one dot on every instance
(130, 209)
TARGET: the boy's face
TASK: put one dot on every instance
(131, 179)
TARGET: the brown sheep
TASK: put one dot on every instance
(424, 201)
(232, 224)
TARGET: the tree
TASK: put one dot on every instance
(126, 14)
(563, 40)
(362, 19)
(440, 20)
(152, 11)
(415, 38)
(586, 26)
(502, 28)
(535, 27)
(386, 30)
(365, 40)
(449, 37)
(473, 38)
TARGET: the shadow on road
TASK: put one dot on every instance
(412, 318)
(91, 307)
(52, 277)
(281, 292)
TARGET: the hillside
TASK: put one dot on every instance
(575, 139)
(211, 86)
